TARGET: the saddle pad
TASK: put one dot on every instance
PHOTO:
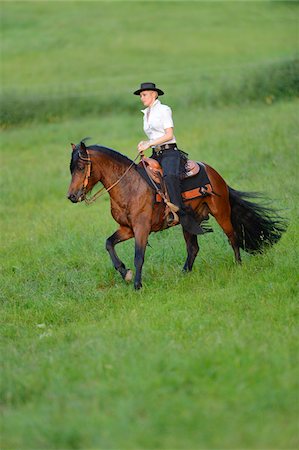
(197, 186)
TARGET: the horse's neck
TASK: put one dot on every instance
(108, 170)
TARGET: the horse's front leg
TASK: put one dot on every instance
(121, 235)
(141, 232)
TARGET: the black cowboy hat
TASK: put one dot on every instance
(148, 87)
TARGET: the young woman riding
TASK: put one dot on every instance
(158, 126)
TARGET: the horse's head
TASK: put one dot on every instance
(80, 168)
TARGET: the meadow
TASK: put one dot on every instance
(198, 361)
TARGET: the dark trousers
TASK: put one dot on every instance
(170, 160)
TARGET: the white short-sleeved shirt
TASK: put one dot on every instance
(155, 121)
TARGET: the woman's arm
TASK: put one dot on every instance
(144, 145)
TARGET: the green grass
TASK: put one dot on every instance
(204, 360)
(91, 44)
(218, 53)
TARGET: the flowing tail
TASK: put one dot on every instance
(256, 226)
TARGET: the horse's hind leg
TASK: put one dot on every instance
(228, 229)
(122, 234)
(192, 250)
(221, 210)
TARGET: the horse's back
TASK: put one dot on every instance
(218, 183)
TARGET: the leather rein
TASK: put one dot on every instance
(102, 190)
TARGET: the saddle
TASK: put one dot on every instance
(194, 183)
(194, 179)
(155, 170)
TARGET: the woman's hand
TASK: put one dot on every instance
(142, 146)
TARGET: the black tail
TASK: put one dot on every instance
(256, 226)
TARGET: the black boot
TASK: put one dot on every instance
(189, 223)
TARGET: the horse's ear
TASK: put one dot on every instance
(73, 146)
(83, 148)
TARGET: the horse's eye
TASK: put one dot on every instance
(81, 168)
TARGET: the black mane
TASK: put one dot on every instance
(113, 154)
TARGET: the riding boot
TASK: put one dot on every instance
(187, 221)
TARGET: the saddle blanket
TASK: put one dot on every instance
(196, 186)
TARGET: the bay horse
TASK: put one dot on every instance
(247, 225)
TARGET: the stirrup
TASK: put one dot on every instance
(172, 219)
(173, 208)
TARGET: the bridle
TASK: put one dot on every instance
(87, 175)
(102, 190)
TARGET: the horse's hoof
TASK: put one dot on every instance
(137, 286)
(128, 276)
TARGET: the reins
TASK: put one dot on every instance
(102, 190)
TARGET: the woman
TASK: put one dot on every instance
(158, 126)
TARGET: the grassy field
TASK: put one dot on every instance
(197, 361)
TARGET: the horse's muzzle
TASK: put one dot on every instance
(75, 198)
